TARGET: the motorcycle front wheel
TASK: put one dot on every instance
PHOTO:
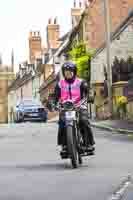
(72, 146)
(80, 159)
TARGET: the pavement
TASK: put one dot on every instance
(121, 126)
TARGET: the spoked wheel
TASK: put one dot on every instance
(79, 147)
(80, 159)
(72, 147)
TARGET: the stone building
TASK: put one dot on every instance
(121, 47)
(94, 28)
(6, 77)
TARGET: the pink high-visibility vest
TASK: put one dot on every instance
(75, 91)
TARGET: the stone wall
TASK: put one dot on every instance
(101, 107)
(121, 46)
(94, 28)
(3, 100)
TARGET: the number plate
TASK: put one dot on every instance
(70, 115)
(33, 114)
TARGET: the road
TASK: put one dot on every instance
(31, 168)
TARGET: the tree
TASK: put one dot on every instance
(82, 58)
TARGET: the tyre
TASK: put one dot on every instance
(80, 159)
(79, 147)
(44, 120)
(72, 146)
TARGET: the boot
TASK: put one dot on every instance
(63, 152)
(90, 150)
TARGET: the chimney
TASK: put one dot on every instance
(76, 13)
(90, 1)
(35, 45)
(53, 33)
(80, 4)
(74, 4)
(55, 20)
(49, 21)
(86, 4)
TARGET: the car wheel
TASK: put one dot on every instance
(21, 117)
(44, 120)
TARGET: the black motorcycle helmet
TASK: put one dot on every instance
(69, 65)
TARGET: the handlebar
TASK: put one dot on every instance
(60, 105)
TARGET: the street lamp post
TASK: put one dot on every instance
(108, 42)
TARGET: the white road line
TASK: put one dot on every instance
(118, 194)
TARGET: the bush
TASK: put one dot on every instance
(82, 58)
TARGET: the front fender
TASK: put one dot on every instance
(69, 122)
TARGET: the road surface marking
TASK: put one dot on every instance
(118, 194)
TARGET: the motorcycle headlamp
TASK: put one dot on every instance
(68, 105)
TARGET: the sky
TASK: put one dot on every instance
(18, 17)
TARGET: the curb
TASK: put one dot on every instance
(118, 130)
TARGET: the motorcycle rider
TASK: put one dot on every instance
(71, 87)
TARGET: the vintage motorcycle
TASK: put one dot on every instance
(75, 150)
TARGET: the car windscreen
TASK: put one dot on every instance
(29, 103)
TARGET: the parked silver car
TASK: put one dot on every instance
(29, 109)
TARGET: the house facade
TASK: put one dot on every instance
(122, 48)
(94, 21)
